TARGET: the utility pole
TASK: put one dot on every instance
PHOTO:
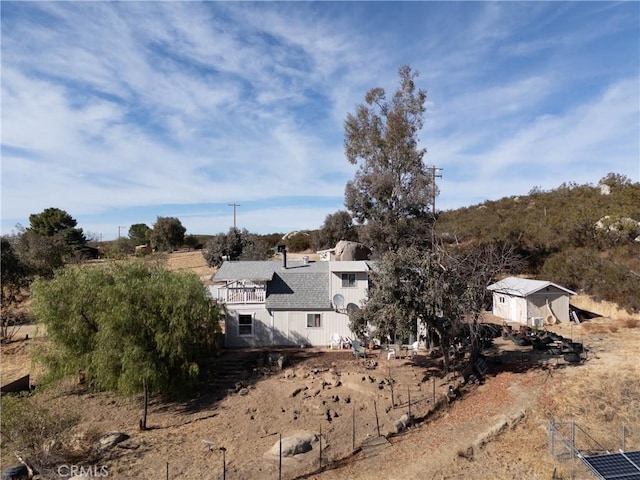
(119, 227)
(234, 205)
(434, 175)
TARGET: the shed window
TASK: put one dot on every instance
(348, 280)
(501, 299)
(245, 324)
(314, 320)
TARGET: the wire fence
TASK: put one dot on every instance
(367, 429)
(570, 443)
(568, 440)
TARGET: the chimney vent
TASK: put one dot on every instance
(283, 250)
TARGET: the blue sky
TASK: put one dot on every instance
(122, 112)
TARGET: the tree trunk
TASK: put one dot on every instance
(476, 340)
(143, 420)
(445, 344)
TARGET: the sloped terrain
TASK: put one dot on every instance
(490, 431)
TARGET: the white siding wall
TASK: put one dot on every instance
(512, 309)
(357, 294)
(501, 305)
(291, 328)
(518, 309)
(261, 331)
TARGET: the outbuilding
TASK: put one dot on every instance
(531, 302)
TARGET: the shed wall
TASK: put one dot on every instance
(558, 303)
(519, 309)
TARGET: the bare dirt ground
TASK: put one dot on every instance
(496, 430)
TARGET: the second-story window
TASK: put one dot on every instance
(348, 280)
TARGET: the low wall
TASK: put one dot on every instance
(605, 309)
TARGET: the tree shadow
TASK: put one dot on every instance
(237, 371)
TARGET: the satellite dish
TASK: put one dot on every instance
(338, 300)
(352, 308)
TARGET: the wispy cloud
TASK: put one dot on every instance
(119, 112)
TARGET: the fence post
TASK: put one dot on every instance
(375, 408)
(572, 435)
(393, 402)
(434, 391)
(409, 399)
(320, 458)
(280, 460)
(353, 428)
(224, 462)
(167, 470)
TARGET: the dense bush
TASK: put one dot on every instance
(125, 324)
(583, 269)
(299, 242)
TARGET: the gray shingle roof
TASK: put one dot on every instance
(300, 289)
(249, 270)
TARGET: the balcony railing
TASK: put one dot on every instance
(242, 295)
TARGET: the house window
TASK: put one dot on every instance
(245, 324)
(501, 299)
(348, 280)
(313, 320)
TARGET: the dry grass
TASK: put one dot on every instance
(602, 403)
(630, 323)
(610, 326)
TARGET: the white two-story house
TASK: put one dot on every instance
(270, 303)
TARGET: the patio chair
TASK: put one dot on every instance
(393, 351)
(339, 341)
(414, 349)
(357, 349)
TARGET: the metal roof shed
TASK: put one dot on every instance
(521, 300)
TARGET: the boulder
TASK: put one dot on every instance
(109, 440)
(295, 444)
(350, 251)
(403, 422)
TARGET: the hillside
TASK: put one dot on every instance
(584, 237)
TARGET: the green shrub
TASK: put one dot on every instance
(299, 242)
